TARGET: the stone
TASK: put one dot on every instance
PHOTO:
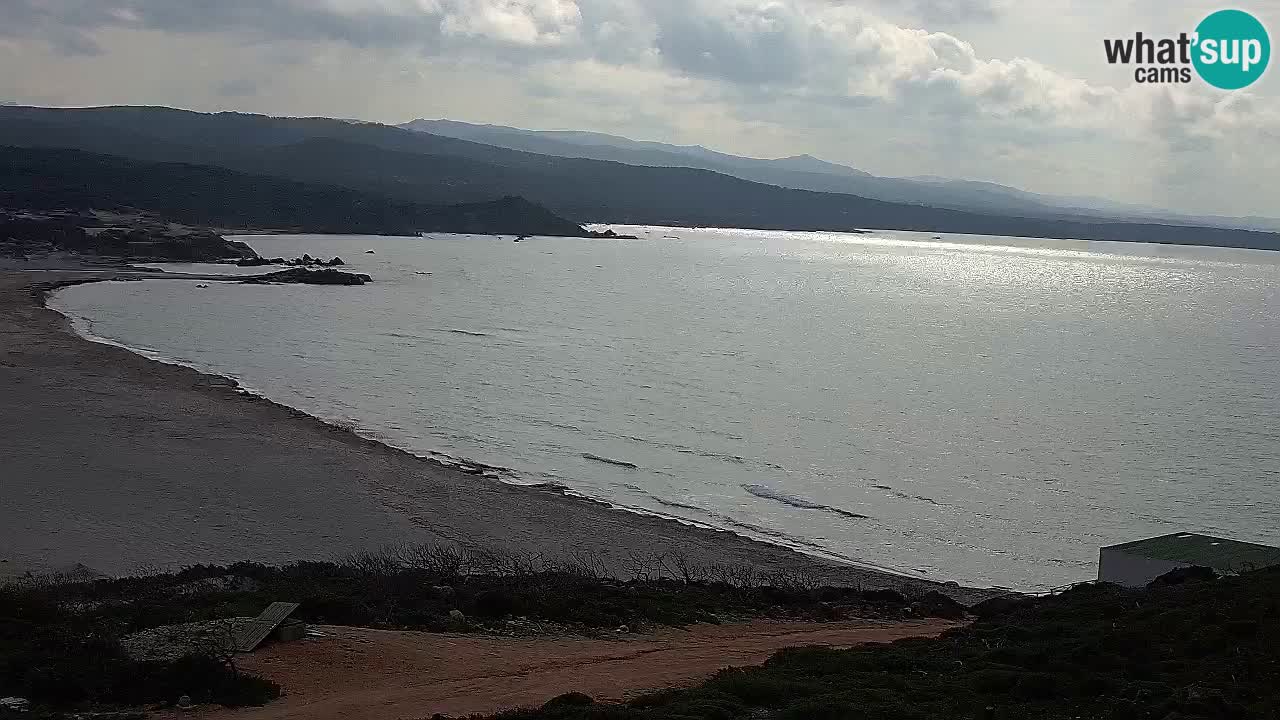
(310, 277)
(15, 704)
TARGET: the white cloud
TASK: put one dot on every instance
(538, 22)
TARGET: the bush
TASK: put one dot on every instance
(59, 658)
(1201, 650)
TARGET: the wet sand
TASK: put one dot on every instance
(125, 464)
(358, 673)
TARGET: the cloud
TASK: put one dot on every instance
(1218, 143)
(945, 12)
(242, 87)
(770, 48)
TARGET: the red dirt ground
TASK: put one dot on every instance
(388, 675)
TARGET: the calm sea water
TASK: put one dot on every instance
(981, 409)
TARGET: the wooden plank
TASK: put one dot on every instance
(253, 633)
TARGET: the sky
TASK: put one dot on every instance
(1018, 93)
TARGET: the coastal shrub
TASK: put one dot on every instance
(1202, 648)
(417, 587)
(60, 638)
(58, 654)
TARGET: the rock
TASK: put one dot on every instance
(15, 704)
(310, 277)
(368, 252)
(1178, 576)
(457, 618)
(609, 234)
(935, 604)
(253, 262)
(444, 592)
(884, 596)
(307, 261)
(184, 703)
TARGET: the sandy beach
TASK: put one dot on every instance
(124, 464)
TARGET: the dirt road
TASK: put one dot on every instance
(383, 675)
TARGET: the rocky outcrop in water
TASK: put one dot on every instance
(305, 261)
(609, 234)
(310, 277)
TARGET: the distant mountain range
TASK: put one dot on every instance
(805, 172)
(386, 164)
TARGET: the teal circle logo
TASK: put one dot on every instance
(1232, 49)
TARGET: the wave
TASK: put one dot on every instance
(908, 496)
(769, 493)
(709, 454)
(550, 423)
(468, 332)
(724, 523)
(679, 505)
(611, 461)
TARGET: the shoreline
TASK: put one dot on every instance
(290, 498)
(488, 472)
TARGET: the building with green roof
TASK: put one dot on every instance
(1134, 564)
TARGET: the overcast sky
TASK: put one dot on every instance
(1001, 90)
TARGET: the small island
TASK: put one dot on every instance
(303, 276)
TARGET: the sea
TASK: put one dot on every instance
(987, 410)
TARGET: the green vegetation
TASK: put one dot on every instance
(61, 654)
(45, 179)
(61, 642)
(418, 587)
(1196, 650)
(1204, 648)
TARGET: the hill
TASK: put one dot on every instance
(421, 167)
(58, 179)
(805, 172)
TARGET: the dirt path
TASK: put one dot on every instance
(384, 675)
